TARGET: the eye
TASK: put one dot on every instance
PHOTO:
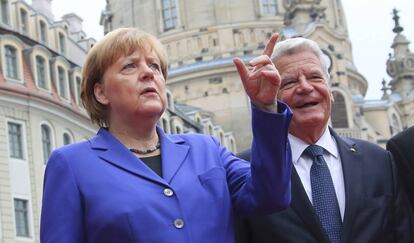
(129, 66)
(155, 66)
(315, 77)
(288, 84)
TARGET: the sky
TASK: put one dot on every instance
(369, 24)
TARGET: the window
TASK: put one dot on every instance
(15, 140)
(23, 21)
(62, 82)
(269, 7)
(21, 217)
(165, 125)
(78, 81)
(395, 125)
(46, 142)
(4, 11)
(67, 139)
(178, 129)
(41, 72)
(43, 32)
(11, 62)
(210, 130)
(339, 114)
(169, 14)
(62, 44)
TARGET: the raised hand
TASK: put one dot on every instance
(262, 81)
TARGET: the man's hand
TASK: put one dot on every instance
(262, 81)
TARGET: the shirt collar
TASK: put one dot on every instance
(326, 141)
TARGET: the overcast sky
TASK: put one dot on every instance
(369, 23)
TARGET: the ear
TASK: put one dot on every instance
(332, 97)
(99, 93)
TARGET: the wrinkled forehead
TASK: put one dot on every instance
(299, 61)
(127, 50)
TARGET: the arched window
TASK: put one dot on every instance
(46, 142)
(339, 114)
(395, 125)
(169, 100)
(4, 11)
(222, 141)
(67, 139)
(41, 72)
(165, 126)
(24, 26)
(210, 129)
(62, 82)
(11, 62)
(178, 129)
(78, 82)
(232, 145)
(42, 32)
(62, 43)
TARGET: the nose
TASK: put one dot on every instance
(146, 73)
(304, 85)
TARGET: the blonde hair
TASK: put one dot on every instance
(120, 42)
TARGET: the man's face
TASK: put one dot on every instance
(304, 87)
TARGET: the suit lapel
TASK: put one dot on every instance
(304, 209)
(173, 154)
(109, 149)
(351, 158)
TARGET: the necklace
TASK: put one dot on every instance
(145, 150)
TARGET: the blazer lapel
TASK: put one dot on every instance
(114, 152)
(351, 158)
(303, 207)
(173, 154)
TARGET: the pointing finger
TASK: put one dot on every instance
(271, 44)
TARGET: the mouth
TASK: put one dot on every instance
(149, 90)
(307, 104)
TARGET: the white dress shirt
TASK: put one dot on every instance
(332, 158)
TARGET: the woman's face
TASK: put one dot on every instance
(133, 87)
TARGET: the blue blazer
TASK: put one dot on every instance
(98, 191)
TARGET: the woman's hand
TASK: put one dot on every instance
(262, 80)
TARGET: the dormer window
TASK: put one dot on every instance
(62, 83)
(11, 62)
(62, 43)
(24, 26)
(43, 32)
(41, 72)
(4, 11)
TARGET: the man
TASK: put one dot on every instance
(401, 147)
(343, 190)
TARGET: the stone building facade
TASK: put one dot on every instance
(40, 107)
(202, 37)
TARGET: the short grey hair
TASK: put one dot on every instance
(298, 44)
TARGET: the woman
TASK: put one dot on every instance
(134, 183)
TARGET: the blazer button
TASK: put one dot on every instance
(179, 223)
(168, 192)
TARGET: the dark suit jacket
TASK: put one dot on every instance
(402, 148)
(375, 208)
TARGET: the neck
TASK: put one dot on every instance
(308, 135)
(139, 136)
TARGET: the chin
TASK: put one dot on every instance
(310, 121)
